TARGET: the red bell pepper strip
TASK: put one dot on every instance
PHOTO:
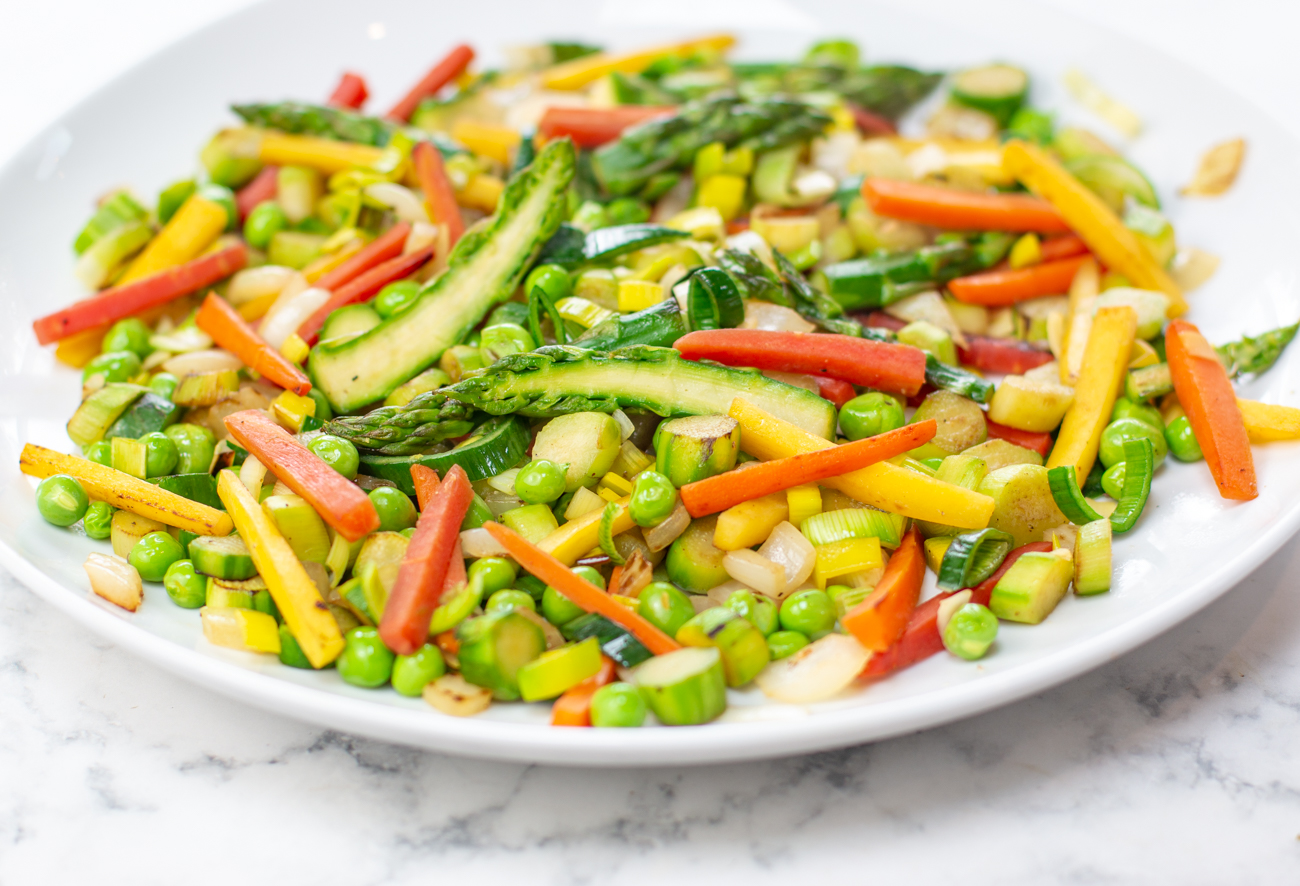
(426, 484)
(921, 639)
(1007, 356)
(263, 187)
(404, 625)
(881, 320)
(874, 364)
(120, 302)
(870, 123)
(340, 502)
(950, 208)
(1040, 443)
(1064, 246)
(439, 195)
(573, 708)
(362, 288)
(1208, 398)
(999, 288)
(218, 319)
(351, 93)
(879, 620)
(836, 390)
(439, 76)
(593, 127)
(385, 247)
(714, 494)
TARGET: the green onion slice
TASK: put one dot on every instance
(713, 301)
(973, 557)
(607, 534)
(1065, 489)
(538, 300)
(1139, 465)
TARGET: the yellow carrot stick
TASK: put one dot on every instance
(126, 492)
(483, 138)
(291, 588)
(1267, 422)
(1090, 218)
(882, 485)
(581, 71)
(194, 227)
(578, 536)
(1083, 293)
(1105, 362)
(326, 155)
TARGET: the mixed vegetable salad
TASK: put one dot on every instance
(613, 381)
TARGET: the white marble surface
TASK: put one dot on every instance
(1174, 764)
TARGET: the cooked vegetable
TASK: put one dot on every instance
(586, 443)
(446, 70)
(593, 127)
(222, 557)
(555, 672)
(1217, 170)
(961, 210)
(998, 288)
(1023, 503)
(1031, 588)
(742, 646)
(880, 620)
(218, 319)
(61, 500)
(686, 687)
(998, 90)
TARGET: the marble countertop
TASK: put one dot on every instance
(1173, 764)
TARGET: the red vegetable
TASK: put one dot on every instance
(836, 390)
(1040, 443)
(385, 247)
(593, 127)
(263, 187)
(946, 207)
(362, 288)
(439, 195)
(873, 364)
(115, 304)
(221, 321)
(1008, 356)
(456, 578)
(869, 122)
(405, 623)
(439, 76)
(1064, 246)
(882, 618)
(351, 93)
(921, 638)
(1006, 287)
(338, 500)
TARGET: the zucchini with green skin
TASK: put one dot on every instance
(696, 447)
(687, 687)
(1031, 588)
(201, 488)
(742, 646)
(225, 557)
(493, 649)
(998, 90)
(148, 414)
(484, 269)
(348, 322)
(658, 325)
(494, 446)
(616, 642)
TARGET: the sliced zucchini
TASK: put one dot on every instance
(1112, 179)
(225, 557)
(686, 687)
(998, 90)
(201, 488)
(494, 446)
(348, 322)
(616, 642)
(148, 414)
(494, 647)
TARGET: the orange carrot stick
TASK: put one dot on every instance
(880, 620)
(950, 208)
(1064, 246)
(1006, 287)
(385, 247)
(573, 708)
(218, 319)
(439, 195)
(579, 590)
(718, 493)
(426, 483)
(1210, 402)
(439, 76)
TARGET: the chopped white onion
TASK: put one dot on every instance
(405, 205)
(182, 340)
(834, 153)
(661, 536)
(756, 571)
(251, 284)
(930, 307)
(252, 473)
(479, 542)
(275, 329)
(198, 362)
(720, 593)
(422, 234)
(702, 602)
(776, 318)
(787, 547)
(813, 184)
(504, 481)
(816, 672)
(625, 427)
(948, 606)
(1191, 267)
(115, 580)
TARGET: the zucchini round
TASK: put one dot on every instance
(494, 446)
(1112, 179)
(998, 90)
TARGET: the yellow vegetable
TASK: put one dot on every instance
(803, 502)
(787, 233)
(289, 409)
(483, 138)
(935, 548)
(882, 485)
(575, 538)
(701, 222)
(1114, 244)
(293, 591)
(482, 193)
(323, 154)
(1143, 354)
(126, 492)
(845, 557)
(1266, 422)
(190, 231)
(636, 295)
(615, 483)
(126, 529)
(294, 349)
(300, 525)
(1029, 405)
(326, 263)
(1026, 252)
(80, 348)
(750, 522)
(724, 192)
(581, 71)
(1084, 290)
(1105, 362)
(244, 629)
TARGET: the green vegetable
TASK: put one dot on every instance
(972, 557)
(552, 279)
(1068, 497)
(589, 216)
(396, 297)
(1113, 179)
(617, 705)
(100, 262)
(610, 242)
(128, 335)
(196, 487)
(294, 249)
(504, 339)
(365, 660)
(223, 197)
(870, 414)
(1032, 125)
(100, 410)
(113, 366)
(154, 554)
(743, 646)
(877, 281)
(783, 644)
(226, 165)
(693, 562)
(195, 447)
(493, 447)
(1182, 441)
(173, 197)
(1126, 408)
(839, 525)
(665, 607)
(1092, 558)
(713, 300)
(291, 653)
(298, 118)
(130, 456)
(653, 498)
(755, 609)
(585, 443)
(338, 453)
(1140, 464)
(411, 673)
(161, 456)
(888, 90)
(686, 687)
(551, 673)
(114, 211)
(957, 380)
(606, 535)
(970, 631)
(998, 90)
(233, 594)
(484, 268)
(558, 609)
(627, 211)
(696, 447)
(492, 574)
(1031, 588)
(658, 325)
(395, 509)
(349, 321)
(164, 384)
(510, 599)
(263, 603)
(225, 557)
(533, 522)
(1148, 382)
(61, 500)
(494, 647)
(1112, 480)
(936, 342)
(98, 520)
(540, 481)
(149, 414)
(1254, 355)
(265, 221)
(187, 588)
(615, 641)
(1117, 433)
(810, 612)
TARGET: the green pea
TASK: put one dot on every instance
(164, 384)
(408, 532)
(411, 673)
(225, 198)
(809, 612)
(1112, 481)
(396, 297)
(665, 607)
(617, 705)
(558, 609)
(128, 335)
(162, 455)
(1113, 438)
(503, 340)
(265, 221)
(195, 447)
(553, 279)
(783, 644)
(100, 452)
(653, 498)
(395, 509)
(365, 661)
(971, 631)
(540, 482)
(113, 366)
(492, 574)
(591, 574)
(627, 211)
(532, 586)
(870, 414)
(754, 608)
(1126, 408)
(324, 411)
(98, 520)
(508, 599)
(61, 500)
(339, 454)
(187, 588)
(1182, 441)
(154, 554)
(589, 216)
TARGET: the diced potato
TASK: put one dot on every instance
(750, 522)
(453, 694)
(961, 422)
(1023, 502)
(998, 454)
(1027, 405)
(1266, 422)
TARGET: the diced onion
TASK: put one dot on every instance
(756, 571)
(776, 318)
(701, 602)
(948, 607)
(251, 284)
(251, 473)
(422, 234)
(405, 205)
(197, 362)
(625, 427)
(115, 580)
(834, 153)
(787, 547)
(816, 672)
(930, 307)
(285, 321)
(182, 340)
(665, 533)
(479, 542)
(1192, 267)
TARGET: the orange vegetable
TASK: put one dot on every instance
(573, 708)
(880, 620)
(426, 483)
(579, 590)
(1006, 287)
(221, 321)
(1207, 396)
(385, 247)
(439, 195)
(439, 76)
(363, 287)
(718, 493)
(950, 208)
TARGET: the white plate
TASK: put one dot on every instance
(145, 128)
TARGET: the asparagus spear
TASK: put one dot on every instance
(298, 118)
(888, 90)
(1252, 355)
